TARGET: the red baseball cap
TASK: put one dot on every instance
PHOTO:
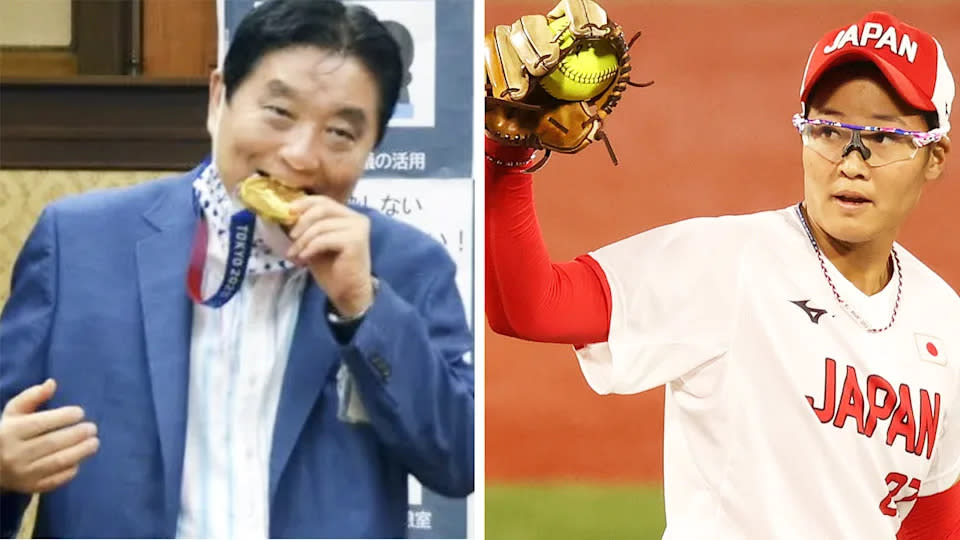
(911, 60)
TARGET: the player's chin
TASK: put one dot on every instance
(852, 229)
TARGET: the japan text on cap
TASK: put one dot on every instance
(911, 60)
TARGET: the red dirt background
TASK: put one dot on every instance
(712, 136)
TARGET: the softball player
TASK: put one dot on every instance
(811, 363)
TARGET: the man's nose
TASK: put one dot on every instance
(300, 152)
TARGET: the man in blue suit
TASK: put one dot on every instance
(315, 367)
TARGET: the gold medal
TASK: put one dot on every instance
(269, 199)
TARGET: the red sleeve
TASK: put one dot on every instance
(936, 517)
(528, 296)
(494, 308)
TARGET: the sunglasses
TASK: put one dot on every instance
(879, 146)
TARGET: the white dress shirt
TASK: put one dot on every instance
(238, 355)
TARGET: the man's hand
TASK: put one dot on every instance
(41, 451)
(334, 242)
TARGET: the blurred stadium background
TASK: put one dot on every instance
(712, 136)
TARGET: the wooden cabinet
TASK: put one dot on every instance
(179, 38)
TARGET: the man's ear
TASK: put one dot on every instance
(215, 100)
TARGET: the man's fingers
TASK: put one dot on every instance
(68, 458)
(56, 480)
(30, 399)
(505, 72)
(54, 441)
(587, 18)
(303, 203)
(536, 44)
(317, 228)
(316, 214)
(325, 243)
(311, 208)
(39, 423)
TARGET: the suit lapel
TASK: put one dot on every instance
(312, 357)
(162, 259)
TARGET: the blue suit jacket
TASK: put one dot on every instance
(98, 302)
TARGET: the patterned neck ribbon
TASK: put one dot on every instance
(246, 253)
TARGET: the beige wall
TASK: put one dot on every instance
(35, 23)
(23, 194)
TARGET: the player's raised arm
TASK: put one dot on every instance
(528, 296)
(532, 104)
(810, 361)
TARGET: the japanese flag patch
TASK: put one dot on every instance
(931, 349)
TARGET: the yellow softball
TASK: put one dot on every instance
(583, 74)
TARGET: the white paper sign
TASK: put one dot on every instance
(440, 208)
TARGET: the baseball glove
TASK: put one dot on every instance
(519, 112)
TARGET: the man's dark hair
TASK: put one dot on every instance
(351, 30)
(931, 117)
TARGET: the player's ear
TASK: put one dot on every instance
(937, 159)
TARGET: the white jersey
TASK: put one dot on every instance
(784, 417)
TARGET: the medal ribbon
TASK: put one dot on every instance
(238, 254)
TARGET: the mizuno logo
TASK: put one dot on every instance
(812, 312)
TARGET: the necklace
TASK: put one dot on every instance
(847, 307)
